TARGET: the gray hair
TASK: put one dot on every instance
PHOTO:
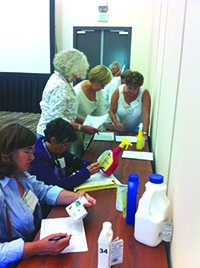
(113, 65)
(71, 62)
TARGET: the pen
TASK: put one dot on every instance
(55, 238)
(97, 132)
(76, 191)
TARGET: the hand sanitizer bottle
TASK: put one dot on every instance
(140, 138)
(104, 242)
(109, 160)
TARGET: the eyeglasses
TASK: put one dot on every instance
(67, 144)
(131, 87)
(29, 152)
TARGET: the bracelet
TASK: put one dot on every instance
(79, 127)
(145, 133)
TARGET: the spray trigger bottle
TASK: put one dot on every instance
(140, 138)
(109, 160)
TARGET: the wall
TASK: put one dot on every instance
(176, 126)
(136, 14)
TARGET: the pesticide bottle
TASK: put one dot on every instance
(133, 183)
(109, 160)
(140, 138)
(104, 243)
(153, 210)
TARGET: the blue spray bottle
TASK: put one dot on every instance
(133, 183)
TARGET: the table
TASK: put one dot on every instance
(136, 255)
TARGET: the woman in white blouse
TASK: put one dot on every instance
(59, 98)
(131, 105)
(91, 100)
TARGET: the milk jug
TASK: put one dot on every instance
(153, 210)
(104, 244)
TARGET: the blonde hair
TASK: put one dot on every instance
(71, 62)
(101, 74)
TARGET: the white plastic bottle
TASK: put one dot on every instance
(104, 242)
(153, 210)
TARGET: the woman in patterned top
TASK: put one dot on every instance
(59, 98)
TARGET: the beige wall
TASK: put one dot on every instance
(176, 121)
(165, 48)
(135, 13)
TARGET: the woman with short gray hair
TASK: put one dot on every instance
(59, 98)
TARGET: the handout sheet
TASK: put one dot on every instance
(98, 181)
(95, 121)
(129, 138)
(138, 155)
(78, 241)
(104, 136)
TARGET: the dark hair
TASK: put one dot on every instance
(125, 73)
(12, 138)
(134, 78)
(61, 130)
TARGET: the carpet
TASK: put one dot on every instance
(29, 120)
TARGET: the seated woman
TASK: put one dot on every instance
(130, 105)
(91, 100)
(53, 162)
(21, 198)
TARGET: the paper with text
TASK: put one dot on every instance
(104, 136)
(78, 241)
(129, 138)
(99, 181)
(138, 155)
(95, 121)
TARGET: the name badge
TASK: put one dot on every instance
(62, 162)
(31, 200)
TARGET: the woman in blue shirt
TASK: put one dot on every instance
(54, 163)
(21, 198)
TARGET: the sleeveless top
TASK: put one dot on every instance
(130, 115)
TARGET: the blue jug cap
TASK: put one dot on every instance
(156, 178)
(133, 177)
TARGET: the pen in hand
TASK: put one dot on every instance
(56, 238)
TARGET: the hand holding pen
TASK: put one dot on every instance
(58, 237)
(53, 244)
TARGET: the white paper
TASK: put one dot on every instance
(129, 138)
(78, 241)
(95, 121)
(100, 178)
(123, 69)
(138, 155)
(104, 136)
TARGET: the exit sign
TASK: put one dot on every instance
(103, 17)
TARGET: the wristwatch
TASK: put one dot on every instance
(79, 127)
(145, 133)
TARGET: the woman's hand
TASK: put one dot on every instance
(116, 127)
(91, 200)
(94, 168)
(54, 247)
(89, 129)
(145, 137)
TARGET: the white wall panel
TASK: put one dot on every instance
(25, 36)
(185, 160)
(169, 84)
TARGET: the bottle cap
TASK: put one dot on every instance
(156, 178)
(107, 225)
(133, 177)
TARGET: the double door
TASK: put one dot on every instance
(104, 45)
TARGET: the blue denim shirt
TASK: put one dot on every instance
(23, 221)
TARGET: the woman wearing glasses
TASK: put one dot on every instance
(21, 199)
(54, 163)
(130, 105)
